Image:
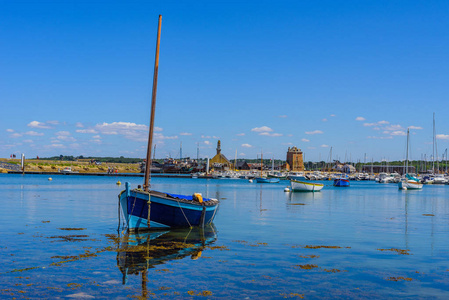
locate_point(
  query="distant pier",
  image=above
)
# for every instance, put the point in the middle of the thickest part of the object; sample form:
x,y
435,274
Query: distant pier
x,y
164,175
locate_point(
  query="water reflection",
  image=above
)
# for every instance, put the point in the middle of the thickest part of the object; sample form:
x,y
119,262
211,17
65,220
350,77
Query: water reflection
x,y
302,197
138,252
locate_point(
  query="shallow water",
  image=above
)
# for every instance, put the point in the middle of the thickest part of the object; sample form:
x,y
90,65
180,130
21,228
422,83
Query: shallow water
x,y
59,238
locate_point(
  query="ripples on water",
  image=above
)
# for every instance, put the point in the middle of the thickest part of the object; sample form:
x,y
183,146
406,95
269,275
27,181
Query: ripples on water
x,y
59,239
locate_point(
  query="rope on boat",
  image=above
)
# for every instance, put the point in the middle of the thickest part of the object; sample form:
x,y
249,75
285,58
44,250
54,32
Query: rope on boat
x,y
149,210
213,215
184,214
132,210
118,228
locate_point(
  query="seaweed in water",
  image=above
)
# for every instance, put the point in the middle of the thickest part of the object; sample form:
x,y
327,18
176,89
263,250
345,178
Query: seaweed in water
x,y
398,251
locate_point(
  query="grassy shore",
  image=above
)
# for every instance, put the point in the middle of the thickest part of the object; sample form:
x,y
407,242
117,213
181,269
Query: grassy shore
x,y
80,166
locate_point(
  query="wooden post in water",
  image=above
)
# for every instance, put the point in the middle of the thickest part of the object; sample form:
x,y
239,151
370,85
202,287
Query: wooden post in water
x,y
146,183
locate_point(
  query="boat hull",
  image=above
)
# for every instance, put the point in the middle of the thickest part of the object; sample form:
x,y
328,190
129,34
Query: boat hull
x,y
410,185
165,212
267,180
341,182
301,186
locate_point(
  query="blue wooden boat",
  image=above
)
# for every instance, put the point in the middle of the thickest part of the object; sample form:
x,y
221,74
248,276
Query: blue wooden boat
x,y
341,182
148,209
165,210
267,180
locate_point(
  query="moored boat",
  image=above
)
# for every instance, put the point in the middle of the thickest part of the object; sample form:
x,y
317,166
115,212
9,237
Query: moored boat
x,y
341,182
301,186
267,180
165,210
145,209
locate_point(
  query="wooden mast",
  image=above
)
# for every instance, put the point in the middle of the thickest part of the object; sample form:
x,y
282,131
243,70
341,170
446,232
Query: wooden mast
x,y
146,183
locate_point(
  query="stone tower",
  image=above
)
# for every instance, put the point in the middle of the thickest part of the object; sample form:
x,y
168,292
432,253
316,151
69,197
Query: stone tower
x,y
295,159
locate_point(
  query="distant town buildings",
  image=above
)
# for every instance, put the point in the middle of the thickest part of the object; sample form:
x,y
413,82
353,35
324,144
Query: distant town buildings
x,y
295,161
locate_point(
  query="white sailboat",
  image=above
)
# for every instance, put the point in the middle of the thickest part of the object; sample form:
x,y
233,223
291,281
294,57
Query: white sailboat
x,y
409,182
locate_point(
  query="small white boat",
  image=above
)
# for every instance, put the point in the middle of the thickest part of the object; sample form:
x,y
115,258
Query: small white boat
x,y
67,170
409,184
301,186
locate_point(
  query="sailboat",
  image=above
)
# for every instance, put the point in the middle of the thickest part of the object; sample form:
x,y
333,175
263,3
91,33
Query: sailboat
x,y
409,182
145,209
262,178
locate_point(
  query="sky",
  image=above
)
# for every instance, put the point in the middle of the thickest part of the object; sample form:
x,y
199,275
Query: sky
x,y
261,76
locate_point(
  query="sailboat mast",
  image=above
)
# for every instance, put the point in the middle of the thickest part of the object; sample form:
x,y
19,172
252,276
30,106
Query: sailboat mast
x,y
146,183
406,156
433,146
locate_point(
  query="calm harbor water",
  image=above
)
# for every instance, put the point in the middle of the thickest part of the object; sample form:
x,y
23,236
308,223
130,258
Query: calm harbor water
x,y
60,239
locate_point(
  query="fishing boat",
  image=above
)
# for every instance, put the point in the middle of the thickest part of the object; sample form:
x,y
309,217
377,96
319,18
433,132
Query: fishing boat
x,y
262,178
409,182
267,180
301,186
341,182
145,208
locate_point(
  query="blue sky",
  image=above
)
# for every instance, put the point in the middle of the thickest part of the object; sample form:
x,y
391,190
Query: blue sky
x,y
76,78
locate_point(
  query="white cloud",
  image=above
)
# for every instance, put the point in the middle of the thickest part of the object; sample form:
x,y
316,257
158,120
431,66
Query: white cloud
x,y
157,129
393,127
131,131
65,133
16,135
96,137
246,145
442,136
415,127
314,132
262,129
240,134
360,119
36,124
53,122
324,120
287,144
9,130
332,115
160,136
324,146
369,124
383,122
207,143
305,140
270,134
283,116
79,125
27,141
205,137
185,133
86,131
398,132
34,133
57,146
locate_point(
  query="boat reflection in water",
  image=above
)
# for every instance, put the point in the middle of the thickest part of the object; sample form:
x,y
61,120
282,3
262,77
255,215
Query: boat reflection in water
x,y
141,251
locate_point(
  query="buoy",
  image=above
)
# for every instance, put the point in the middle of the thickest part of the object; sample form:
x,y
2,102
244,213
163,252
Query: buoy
x,y
50,179
119,183
287,190
250,180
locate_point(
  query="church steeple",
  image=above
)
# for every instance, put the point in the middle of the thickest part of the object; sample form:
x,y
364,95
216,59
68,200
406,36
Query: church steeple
x,y
218,147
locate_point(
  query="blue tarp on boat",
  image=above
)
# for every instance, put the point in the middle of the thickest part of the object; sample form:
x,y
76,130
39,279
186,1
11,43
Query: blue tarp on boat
x,y
185,197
